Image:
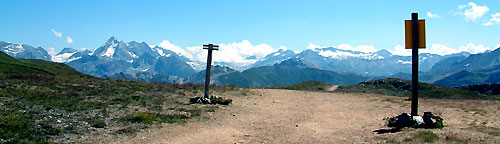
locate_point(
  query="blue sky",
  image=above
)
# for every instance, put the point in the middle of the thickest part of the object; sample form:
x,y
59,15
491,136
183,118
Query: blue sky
x,y
296,25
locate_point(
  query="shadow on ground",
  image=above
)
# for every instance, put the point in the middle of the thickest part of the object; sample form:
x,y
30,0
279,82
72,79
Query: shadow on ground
x,y
383,131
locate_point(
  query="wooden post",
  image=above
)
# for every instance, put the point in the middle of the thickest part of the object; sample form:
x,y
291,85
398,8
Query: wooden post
x,y
414,68
210,47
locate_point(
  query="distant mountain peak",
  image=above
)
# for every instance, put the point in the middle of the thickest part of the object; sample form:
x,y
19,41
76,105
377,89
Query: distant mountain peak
x,y
296,62
384,53
67,50
112,40
24,51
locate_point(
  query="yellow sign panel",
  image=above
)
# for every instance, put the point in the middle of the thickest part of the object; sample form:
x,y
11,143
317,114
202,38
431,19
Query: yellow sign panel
x,y
421,34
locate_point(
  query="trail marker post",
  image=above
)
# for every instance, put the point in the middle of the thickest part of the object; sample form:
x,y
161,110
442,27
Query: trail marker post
x,y
414,39
210,47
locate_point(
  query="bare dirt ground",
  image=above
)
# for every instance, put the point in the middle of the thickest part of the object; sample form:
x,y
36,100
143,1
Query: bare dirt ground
x,y
287,116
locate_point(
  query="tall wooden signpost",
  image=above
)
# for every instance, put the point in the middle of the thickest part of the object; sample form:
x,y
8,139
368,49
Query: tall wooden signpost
x,y
414,39
210,47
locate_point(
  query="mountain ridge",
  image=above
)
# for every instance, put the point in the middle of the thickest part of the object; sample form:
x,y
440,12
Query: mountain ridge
x,y
137,60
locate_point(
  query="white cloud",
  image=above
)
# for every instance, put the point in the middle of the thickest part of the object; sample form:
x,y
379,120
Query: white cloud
x,y
51,51
498,46
488,23
400,50
69,40
283,48
359,48
165,44
474,11
235,52
441,49
474,49
495,19
313,46
57,34
431,15
462,6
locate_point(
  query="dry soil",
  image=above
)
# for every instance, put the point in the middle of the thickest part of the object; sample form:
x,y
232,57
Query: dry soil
x,y
287,116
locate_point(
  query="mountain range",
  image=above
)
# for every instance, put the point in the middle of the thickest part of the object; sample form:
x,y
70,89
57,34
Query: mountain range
x,y
143,62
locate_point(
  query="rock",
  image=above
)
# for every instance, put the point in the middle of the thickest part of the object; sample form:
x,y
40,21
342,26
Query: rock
x,y
195,100
206,101
432,121
419,120
401,121
405,120
428,119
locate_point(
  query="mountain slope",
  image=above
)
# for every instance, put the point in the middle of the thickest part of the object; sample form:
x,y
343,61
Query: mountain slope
x,y
24,51
401,87
117,59
9,64
274,58
287,72
64,55
172,65
472,62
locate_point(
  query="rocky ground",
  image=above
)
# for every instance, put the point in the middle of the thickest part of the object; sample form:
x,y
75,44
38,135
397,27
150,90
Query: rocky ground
x,y
288,116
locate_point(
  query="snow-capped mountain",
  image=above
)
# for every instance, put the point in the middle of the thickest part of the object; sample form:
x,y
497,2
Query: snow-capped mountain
x,y
116,57
140,61
24,51
380,63
64,55
275,57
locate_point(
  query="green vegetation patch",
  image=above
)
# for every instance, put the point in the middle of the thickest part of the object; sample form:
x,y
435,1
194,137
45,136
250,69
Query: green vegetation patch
x,y
97,123
221,101
39,108
427,137
9,64
17,128
150,118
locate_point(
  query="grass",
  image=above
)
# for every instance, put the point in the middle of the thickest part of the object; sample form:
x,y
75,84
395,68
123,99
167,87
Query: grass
x,y
9,64
97,123
221,101
426,137
151,118
492,131
39,108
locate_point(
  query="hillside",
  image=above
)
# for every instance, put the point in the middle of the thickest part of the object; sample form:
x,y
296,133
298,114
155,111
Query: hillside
x,y
304,86
401,87
9,64
287,72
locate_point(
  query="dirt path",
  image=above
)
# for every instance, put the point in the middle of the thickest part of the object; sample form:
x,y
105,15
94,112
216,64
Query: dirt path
x,y
332,88
285,116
